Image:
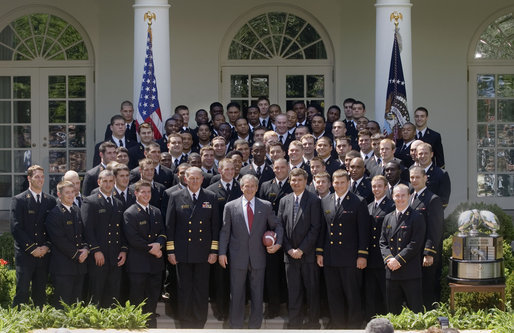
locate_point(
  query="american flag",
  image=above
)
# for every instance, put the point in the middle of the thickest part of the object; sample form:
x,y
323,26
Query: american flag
x,y
396,113
148,107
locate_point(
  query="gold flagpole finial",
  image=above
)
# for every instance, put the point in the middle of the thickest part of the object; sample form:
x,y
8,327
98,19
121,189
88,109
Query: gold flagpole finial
x,y
149,16
396,16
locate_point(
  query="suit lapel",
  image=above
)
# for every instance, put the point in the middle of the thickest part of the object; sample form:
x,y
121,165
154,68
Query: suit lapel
x,y
302,205
401,221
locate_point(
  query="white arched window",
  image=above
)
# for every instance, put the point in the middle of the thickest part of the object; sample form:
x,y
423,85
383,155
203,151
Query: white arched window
x,y
46,97
282,53
491,120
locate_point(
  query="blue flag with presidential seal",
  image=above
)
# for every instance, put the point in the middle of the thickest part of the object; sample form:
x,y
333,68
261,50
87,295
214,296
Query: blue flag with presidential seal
x,y
148,107
396,113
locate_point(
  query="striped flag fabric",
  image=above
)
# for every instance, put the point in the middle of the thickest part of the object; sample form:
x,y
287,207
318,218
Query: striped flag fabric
x,y
148,107
396,113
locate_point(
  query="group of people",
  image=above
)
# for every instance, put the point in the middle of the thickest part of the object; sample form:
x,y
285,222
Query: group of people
x,y
358,217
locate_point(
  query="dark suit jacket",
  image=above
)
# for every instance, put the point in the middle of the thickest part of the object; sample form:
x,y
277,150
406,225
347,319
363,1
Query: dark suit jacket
x,y
90,181
377,215
332,165
271,192
434,139
103,227
136,153
28,226
344,233
157,193
438,181
141,229
245,247
404,241
266,174
165,176
130,134
193,230
364,190
430,205
66,232
224,197
96,157
302,232
403,153
129,200
166,197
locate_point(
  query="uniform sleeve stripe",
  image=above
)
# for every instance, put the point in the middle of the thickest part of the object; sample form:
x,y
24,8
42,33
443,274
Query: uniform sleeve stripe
x,y
29,247
319,249
405,261
430,250
362,252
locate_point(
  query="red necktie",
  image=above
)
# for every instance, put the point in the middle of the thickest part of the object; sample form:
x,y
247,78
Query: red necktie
x,y
249,212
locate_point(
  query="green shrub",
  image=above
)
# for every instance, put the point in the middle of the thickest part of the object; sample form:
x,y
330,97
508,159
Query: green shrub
x,y
74,316
7,285
7,248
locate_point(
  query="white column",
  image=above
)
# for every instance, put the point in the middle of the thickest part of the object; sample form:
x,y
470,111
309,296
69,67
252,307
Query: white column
x,y
160,48
384,46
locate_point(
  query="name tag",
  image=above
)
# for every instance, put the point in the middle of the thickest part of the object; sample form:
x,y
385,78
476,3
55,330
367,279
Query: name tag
x,y
206,204
327,212
142,222
69,222
388,227
31,212
272,194
347,211
184,206
221,199
100,211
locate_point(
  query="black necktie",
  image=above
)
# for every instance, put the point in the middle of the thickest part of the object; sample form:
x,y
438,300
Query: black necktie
x,y
147,210
209,171
259,173
281,139
121,143
109,200
176,162
128,127
338,204
400,216
194,199
79,201
280,184
38,198
376,205
420,135
228,187
264,123
122,195
354,187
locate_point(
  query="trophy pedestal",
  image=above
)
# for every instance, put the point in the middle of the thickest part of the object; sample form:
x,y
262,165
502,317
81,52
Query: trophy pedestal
x,y
475,272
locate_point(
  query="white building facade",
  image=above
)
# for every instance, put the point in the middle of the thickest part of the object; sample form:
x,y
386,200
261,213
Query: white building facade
x,y
66,65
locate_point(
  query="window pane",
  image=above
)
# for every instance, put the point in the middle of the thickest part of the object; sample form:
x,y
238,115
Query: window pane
x,y
308,36
505,110
22,112
316,51
56,111
22,136
505,85
77,111
506,135
505,160
260,25
294,86
77,86
5,186
57,86
78,160
485,85
260,85
22,160
5,87
486,135
77,52
239,85
315,86
5,136
20,183
5,112
505,185
485,160
57,136
53,180
77,136
21,87
485,183
485,110
5,161
57,161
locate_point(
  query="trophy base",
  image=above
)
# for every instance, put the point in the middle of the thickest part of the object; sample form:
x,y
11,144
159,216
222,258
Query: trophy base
x,y
477,272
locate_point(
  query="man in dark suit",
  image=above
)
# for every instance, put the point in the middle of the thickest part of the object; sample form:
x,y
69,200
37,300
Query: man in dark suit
x,y
127,112
226,190
360,185
121,190
176,150
402,152
258,167
102,215
430,205
374,273
144,230
342,251
31,245
324,148
318,125
273,191
107,153
300,215
393,172
69,247
401,243
192,225
282,131
162,174
429,135
244,222
137,152
438,180
147,169
295,153
118,128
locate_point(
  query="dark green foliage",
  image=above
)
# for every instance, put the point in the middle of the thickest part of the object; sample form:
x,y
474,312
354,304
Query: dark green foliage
x,y
7,248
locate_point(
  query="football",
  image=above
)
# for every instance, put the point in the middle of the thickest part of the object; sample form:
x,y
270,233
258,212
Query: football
x,y
269,238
